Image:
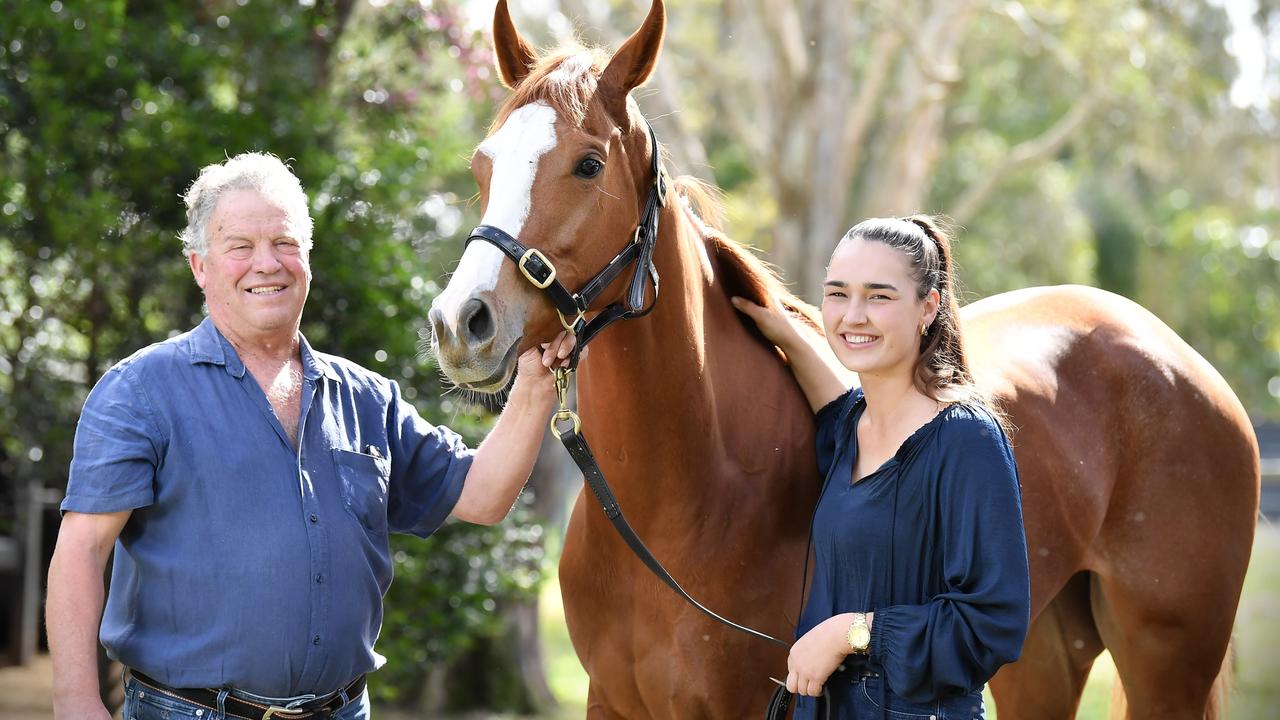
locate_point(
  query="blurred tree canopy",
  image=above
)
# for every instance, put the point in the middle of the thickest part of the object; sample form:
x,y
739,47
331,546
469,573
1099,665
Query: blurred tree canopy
x,y
1092,142
1076,142
107,112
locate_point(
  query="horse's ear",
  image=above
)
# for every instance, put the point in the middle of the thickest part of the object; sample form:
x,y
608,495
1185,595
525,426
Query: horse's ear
x,y
514,56
635,60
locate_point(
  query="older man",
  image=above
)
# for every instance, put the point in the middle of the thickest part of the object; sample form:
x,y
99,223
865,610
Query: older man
x,y
248,484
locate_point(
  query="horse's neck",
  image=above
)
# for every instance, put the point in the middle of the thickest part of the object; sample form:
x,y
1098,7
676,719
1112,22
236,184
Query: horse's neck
x,y
655,395
637,368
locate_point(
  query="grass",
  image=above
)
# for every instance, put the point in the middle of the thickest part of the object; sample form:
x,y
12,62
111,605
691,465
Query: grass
x,y
1257,646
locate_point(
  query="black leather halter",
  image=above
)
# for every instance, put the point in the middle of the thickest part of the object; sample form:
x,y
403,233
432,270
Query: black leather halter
x,y
572,307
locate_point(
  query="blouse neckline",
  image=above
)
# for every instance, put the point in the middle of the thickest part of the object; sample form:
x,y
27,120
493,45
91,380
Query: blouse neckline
x,y
913,440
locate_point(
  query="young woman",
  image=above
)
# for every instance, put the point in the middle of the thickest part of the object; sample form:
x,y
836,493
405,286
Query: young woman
x,y
920,590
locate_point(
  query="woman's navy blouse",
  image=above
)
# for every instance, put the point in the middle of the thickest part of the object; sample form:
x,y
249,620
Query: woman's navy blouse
x,y
932,542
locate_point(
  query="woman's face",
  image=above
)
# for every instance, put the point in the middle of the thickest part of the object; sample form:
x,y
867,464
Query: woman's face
x,y
871,311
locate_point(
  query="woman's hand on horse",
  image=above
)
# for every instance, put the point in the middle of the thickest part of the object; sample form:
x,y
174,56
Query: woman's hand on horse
x,y
774,321
556,352
817,654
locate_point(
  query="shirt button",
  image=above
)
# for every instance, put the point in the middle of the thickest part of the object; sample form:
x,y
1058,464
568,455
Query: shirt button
x,y
315,640
314,518
319,578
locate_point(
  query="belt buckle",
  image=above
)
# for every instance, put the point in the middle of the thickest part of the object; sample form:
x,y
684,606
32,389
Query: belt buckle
x,y
283,712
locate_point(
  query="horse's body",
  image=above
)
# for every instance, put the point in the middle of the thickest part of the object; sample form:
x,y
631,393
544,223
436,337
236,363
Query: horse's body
x,y
1138,465
1140,481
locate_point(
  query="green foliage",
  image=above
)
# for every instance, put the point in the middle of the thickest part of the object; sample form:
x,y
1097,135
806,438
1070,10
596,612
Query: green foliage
x,y
438,607
107,112
1166,195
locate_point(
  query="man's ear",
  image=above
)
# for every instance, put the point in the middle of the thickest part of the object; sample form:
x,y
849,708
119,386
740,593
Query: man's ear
x,y
197,268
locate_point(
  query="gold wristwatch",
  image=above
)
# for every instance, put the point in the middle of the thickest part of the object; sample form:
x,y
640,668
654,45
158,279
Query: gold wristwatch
x,y
859,634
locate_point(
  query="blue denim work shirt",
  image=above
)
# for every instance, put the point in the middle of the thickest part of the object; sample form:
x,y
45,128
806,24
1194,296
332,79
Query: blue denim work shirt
x,y
247,563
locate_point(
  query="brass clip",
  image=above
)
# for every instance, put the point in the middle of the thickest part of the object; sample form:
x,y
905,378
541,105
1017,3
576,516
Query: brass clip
x,y
562,394
570,326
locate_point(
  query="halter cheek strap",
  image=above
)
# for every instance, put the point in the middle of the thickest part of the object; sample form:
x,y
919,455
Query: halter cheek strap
x,y
538,269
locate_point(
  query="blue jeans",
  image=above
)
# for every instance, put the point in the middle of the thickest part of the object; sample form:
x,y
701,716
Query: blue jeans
x,y
867,701
141,703
858,698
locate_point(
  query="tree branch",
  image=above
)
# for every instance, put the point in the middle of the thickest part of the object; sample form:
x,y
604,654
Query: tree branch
x,y
1023,154
858,123
1017,13
944,72
781,26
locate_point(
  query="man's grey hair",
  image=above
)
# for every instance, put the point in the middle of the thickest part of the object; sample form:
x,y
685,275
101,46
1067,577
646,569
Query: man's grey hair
x,y
262,172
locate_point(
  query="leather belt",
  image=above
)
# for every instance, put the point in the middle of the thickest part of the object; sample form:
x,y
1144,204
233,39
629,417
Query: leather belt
x,y
249,710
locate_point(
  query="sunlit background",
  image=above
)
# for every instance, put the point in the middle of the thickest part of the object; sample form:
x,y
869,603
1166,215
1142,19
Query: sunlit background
x,y
1126,144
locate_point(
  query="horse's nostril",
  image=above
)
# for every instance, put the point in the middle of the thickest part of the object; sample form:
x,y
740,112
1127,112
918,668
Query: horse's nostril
x,y
478,321
438,326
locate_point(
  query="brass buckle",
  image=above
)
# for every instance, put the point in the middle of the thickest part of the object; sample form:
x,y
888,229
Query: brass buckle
x,y
284,712
534,252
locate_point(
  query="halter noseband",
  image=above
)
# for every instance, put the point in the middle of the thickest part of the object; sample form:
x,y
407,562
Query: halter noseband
x,y
572,307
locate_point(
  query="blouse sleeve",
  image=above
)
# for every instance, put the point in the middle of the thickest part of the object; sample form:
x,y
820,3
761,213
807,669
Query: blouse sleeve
x,y
830,419
979,621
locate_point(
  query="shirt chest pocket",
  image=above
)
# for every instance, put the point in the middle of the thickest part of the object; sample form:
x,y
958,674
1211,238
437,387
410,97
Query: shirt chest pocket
x,y
364,480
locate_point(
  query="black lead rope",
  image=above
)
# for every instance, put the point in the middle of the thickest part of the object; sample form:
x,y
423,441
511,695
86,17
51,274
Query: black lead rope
x,y
576,444
572,308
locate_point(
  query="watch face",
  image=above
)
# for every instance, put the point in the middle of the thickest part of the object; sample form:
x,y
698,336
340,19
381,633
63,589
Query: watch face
x,y
859,637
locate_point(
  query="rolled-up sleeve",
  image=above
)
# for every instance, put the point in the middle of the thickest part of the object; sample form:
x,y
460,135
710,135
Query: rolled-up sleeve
x,y
429,465
979,621
118,446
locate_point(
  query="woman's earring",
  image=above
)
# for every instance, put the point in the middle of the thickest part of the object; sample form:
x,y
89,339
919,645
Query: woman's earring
x,y
924,330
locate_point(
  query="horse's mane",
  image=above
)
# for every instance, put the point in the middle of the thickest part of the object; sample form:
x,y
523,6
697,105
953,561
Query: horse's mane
x,y
738,270
565,78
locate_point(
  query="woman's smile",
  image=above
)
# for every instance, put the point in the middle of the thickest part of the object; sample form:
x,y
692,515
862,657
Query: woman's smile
x,y
858,341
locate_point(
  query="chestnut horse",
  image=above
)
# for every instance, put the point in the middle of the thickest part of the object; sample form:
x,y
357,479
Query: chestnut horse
x,y
1140,471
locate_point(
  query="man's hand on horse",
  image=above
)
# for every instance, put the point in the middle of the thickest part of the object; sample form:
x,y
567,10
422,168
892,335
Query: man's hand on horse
x,y
556,352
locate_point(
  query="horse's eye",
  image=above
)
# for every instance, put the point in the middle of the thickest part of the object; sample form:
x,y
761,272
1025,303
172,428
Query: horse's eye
x,y
588,168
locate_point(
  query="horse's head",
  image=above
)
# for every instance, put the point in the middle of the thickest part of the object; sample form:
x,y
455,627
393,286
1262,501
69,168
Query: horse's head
x,y
565,170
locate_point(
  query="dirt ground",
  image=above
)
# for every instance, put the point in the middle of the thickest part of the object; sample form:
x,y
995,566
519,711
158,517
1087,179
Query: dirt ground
x,y
26,692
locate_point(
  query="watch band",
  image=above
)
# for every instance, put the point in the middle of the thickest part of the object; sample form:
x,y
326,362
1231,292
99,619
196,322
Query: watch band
x,y
859,635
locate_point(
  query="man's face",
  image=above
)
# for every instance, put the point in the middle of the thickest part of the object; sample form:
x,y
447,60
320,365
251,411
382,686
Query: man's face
x,y
256,274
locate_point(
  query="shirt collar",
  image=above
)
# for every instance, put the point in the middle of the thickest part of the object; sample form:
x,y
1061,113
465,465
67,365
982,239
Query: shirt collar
x,y
313,366
208,345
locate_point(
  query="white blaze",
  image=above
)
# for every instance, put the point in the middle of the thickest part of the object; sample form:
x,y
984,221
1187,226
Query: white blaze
x,y
514,150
